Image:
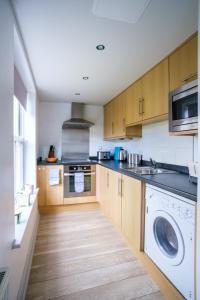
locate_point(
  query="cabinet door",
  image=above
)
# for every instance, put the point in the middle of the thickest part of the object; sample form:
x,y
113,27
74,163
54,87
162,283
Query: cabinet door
x,y
183,64
155,90
101,184
41,183
115,198
131,210
133,103
108,120
119,104
54,193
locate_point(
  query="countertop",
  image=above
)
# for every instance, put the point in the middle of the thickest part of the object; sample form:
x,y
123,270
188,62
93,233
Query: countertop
x,y
177,183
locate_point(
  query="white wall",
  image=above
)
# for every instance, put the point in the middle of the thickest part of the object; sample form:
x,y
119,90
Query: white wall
x,y
18,260
155,142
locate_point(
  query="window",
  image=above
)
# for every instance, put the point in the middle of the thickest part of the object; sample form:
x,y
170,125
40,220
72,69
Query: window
x,y
19,145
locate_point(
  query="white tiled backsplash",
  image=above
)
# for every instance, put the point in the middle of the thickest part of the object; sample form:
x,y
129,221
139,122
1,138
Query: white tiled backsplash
x,y
159,145
155,142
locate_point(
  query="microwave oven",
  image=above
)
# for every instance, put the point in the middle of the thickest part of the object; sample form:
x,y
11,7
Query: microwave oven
x,y
183,108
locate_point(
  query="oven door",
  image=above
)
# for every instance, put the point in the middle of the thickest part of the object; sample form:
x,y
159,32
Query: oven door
x,y
184,108
79,183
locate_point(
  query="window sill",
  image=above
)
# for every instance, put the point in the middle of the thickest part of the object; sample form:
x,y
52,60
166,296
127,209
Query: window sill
x,y
20,228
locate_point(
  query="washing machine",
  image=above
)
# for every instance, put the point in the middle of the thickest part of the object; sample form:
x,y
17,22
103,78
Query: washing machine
x,y
170,237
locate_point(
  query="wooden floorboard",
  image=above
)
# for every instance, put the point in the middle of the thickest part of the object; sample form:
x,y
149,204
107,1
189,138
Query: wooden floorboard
x,y
79,255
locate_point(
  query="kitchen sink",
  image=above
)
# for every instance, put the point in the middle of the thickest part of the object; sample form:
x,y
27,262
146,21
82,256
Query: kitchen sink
x,y
143,170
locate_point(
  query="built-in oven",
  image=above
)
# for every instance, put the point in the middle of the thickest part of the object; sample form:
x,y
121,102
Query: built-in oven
x,y
183,108
79,180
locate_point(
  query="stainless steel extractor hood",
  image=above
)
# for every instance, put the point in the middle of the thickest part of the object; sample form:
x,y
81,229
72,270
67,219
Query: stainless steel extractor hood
x,y
77,121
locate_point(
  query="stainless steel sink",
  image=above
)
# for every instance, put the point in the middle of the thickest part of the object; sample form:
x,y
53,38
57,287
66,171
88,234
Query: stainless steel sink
x,y
143,170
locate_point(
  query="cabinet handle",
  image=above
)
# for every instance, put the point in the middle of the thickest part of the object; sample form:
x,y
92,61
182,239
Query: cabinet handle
x,y
119,188
142,105
112,127
122,187
187,78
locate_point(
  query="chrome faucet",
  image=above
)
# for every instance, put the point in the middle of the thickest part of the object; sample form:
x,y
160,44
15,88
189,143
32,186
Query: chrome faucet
x,y
153,163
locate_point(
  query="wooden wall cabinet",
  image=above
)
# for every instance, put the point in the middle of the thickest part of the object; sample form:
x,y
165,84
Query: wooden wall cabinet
x,y
155,90
134,103
183,64
49,194
108,120
115,120
147,98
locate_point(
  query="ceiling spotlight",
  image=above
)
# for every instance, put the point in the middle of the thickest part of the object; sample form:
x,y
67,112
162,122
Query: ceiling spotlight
x,y
85,78
77,94
100,47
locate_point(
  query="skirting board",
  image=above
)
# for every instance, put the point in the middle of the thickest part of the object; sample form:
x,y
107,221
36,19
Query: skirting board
x,y
76,200
61,208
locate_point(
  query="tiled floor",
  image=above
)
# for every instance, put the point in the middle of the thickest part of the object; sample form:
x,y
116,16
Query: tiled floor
x,y
80,256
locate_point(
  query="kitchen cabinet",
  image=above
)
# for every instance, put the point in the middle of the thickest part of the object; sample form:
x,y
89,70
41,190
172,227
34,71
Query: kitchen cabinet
x,y
54,193
183,63
115,120
121,199
132,211
115,198
147,98
109,193
108,120
41,182
134,103
119,129
49,194
155,90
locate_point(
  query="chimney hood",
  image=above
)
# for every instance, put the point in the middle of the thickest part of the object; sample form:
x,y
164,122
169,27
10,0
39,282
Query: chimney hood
x,y
77,121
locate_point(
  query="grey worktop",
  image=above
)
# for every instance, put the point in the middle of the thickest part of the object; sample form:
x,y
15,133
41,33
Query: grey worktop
x,y
177,183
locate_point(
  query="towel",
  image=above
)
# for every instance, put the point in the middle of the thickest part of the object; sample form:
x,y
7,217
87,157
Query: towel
x,y
54,176
79,182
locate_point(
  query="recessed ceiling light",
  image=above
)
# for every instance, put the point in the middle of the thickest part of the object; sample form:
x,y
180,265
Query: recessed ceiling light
x,y
85,78
77,94
100,47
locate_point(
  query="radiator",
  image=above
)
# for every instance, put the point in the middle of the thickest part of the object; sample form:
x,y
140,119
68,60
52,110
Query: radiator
x,y
3,284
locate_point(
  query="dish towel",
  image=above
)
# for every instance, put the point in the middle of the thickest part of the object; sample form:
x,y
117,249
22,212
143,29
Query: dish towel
x,y
54,176
79,182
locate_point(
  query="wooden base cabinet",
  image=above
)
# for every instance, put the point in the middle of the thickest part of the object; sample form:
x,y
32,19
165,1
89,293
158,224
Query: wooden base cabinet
x,y
132,211
41,183
121,199
109,193
49,194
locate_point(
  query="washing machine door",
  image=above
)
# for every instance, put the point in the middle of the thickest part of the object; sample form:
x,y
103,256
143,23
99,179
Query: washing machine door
x,y
168,237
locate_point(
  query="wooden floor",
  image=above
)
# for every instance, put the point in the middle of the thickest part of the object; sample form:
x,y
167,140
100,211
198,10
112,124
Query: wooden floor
x,y
80,256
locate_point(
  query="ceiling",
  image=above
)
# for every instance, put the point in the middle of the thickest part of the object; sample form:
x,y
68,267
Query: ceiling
x,y
61,37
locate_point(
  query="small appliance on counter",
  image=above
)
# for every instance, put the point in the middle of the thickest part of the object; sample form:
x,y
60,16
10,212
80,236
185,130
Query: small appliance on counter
x,y
103,155
134,159
120,154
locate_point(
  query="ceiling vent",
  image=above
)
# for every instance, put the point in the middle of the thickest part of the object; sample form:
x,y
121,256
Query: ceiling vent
x,y
129,11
